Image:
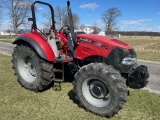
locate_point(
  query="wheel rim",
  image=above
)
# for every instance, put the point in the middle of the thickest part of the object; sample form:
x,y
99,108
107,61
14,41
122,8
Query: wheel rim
x,y
27,69
96,92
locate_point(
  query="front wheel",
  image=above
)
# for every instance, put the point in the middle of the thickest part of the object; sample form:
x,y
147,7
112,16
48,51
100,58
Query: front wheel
x,y
100,89
32,72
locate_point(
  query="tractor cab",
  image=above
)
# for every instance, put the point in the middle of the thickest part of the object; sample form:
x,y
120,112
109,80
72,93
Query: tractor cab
x,y
62,42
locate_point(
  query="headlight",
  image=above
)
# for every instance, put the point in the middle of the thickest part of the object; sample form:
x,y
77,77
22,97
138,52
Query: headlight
x,y
129,61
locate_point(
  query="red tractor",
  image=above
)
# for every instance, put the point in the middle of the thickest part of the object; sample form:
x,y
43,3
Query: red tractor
x,y
102,67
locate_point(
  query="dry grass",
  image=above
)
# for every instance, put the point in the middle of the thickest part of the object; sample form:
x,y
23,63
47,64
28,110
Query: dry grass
x,y
7,38
140,41
153,46
17,103
148,55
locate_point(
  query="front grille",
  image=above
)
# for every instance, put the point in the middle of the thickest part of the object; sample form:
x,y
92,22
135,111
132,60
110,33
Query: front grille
x,y
117,55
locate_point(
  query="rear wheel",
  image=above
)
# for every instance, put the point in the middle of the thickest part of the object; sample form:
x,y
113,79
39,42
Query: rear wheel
x,y
100,89
32,72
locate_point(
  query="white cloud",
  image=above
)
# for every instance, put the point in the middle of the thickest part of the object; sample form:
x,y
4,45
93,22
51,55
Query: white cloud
x,y
157,29
129,22
144,20
99,21
134,22
89,15
88,24
139,24
91,6
145,29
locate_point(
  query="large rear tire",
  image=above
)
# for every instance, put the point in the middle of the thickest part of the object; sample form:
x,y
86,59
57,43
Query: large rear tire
x,y
100,89
32,72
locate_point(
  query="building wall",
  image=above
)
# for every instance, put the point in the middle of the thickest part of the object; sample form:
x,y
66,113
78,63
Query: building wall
x,y
5,33
102,33
88,30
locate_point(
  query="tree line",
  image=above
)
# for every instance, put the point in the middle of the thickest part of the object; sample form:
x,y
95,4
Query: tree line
x,y
136,33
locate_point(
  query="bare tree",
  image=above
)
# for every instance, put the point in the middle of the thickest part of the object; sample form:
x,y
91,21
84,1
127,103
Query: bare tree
x,y
96,29
60,14
109,17
10,31
48,18
82,26
76,20
18,11
1,14
61,18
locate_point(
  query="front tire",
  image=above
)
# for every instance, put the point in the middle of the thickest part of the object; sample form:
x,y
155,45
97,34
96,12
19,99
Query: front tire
x,y
100,89
32,72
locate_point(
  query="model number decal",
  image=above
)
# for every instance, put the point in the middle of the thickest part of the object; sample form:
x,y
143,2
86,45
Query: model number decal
x,y
105,47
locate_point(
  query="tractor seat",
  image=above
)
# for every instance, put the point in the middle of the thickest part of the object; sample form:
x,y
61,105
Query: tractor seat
x,y
49,33
52,40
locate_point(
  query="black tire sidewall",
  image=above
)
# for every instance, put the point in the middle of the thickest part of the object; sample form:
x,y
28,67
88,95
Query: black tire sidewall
x,y
112,79
25,51
112,91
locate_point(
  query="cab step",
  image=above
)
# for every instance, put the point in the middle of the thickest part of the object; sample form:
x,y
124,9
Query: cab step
x,y
58,80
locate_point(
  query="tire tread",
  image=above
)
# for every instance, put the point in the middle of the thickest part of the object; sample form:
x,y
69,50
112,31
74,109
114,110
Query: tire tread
x,y
45,68
105,70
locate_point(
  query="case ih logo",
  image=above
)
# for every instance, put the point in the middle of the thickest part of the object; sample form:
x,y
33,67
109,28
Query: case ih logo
x,y
95,43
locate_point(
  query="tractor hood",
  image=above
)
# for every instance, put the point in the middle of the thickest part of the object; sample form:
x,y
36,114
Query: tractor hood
x,y
112,42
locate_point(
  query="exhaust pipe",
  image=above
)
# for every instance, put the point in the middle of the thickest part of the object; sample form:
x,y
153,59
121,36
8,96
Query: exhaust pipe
x,y
71,24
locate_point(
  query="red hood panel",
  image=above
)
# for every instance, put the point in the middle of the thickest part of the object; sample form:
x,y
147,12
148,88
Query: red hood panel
x,y
105,40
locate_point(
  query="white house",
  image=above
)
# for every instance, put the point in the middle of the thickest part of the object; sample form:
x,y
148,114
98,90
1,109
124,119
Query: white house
x,y
117,35
6,33
102,33
88,30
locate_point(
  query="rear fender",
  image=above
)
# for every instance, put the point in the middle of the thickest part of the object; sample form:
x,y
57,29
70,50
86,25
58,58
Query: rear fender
x,y
39,44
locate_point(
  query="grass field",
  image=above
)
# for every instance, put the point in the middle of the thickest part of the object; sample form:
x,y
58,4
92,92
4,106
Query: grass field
x,y
7,38
143,42
17,103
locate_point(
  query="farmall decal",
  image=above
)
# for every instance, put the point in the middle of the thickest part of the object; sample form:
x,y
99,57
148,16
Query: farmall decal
x,y
95,43
85,40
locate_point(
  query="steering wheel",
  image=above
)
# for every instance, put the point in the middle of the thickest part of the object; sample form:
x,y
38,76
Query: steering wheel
x,y
65,29
61,29
63,33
